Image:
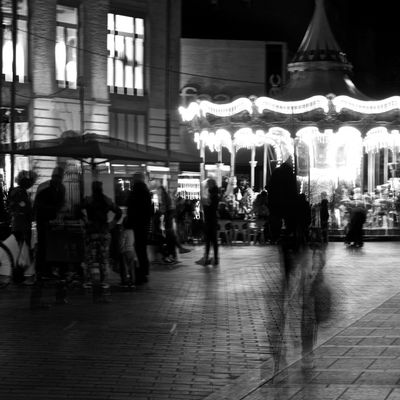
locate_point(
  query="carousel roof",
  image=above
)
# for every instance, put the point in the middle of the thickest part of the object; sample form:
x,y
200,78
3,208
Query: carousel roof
x,y
319,66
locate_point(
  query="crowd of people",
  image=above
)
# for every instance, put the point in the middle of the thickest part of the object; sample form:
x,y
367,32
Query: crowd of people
x,y
112,241
153,218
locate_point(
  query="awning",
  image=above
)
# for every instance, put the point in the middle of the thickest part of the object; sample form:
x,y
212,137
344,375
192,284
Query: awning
x,y
95,149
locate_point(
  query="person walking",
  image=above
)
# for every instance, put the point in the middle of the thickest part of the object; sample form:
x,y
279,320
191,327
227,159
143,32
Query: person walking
x,y
210,207
95,214
139,213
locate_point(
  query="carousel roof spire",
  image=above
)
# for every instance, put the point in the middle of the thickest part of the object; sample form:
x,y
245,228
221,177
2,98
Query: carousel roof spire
x,y
319,66
319,42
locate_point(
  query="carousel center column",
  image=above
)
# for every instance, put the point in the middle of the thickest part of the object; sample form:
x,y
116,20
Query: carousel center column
x,y
371,171
253,165
265,165
202,164
233,155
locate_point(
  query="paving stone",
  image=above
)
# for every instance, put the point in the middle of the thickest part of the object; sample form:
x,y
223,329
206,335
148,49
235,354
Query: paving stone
x,y
365,393
196,333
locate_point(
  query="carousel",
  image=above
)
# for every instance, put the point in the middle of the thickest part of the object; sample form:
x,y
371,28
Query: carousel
x,y
341,143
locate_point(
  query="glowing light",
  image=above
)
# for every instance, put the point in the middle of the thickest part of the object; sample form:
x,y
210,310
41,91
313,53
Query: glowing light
x,y
292,107
366,107
190,112
244,138
226,110
339,158
379,138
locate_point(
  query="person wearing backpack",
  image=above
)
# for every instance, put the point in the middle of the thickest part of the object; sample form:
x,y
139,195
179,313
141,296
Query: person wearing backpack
x,y
95,211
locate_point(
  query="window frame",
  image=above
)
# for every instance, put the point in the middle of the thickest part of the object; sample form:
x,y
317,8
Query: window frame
x,y
71,4
24,32
123,90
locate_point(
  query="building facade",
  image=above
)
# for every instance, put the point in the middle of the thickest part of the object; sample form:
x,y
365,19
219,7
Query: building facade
x,y
98,66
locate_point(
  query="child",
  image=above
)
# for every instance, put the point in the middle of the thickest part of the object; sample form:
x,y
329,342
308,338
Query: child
x,y
128,255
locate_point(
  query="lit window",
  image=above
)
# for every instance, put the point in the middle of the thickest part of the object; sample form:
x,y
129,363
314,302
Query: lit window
x,y
22,41
125,45
66,49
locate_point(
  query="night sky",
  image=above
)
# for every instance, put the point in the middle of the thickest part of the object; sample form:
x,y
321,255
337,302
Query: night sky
x,y
368,31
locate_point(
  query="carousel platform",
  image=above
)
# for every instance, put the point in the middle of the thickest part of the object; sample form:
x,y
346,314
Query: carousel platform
x,y
370,234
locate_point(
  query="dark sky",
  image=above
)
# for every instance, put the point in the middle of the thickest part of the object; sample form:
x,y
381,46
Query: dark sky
x,y
368,31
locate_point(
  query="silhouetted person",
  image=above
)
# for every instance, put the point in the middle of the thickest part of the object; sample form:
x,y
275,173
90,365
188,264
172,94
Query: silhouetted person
x,y
324,215
210,207
355,235
140,211
303,219
96,209
20,207
49,201
282,195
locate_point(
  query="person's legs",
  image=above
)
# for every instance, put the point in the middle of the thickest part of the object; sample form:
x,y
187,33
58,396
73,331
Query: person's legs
x,y
41,269
207,237
123,271
141,253
214,239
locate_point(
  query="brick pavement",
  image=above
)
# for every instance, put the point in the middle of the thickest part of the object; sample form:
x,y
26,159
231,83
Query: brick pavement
x,y
196,332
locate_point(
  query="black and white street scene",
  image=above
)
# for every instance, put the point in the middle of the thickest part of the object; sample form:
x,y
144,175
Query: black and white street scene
x,y
199,200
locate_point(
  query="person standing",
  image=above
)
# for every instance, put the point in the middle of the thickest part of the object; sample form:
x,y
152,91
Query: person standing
x,y
139,213
95,209
4,216
20,207
210,207
128,256
20,210
49,201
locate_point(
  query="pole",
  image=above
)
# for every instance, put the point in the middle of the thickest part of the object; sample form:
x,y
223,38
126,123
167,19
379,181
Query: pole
x,y
82,104
82,130
265,165
167,81
309,175
12,94
1,68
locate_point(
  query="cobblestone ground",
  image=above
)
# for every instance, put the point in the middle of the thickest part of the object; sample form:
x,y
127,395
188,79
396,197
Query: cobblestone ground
x,y
197,332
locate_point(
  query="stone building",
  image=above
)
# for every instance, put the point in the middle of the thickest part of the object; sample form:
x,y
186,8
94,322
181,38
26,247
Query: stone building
x,y
100,66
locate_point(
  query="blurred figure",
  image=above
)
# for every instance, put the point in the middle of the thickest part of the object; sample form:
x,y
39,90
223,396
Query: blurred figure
x,y
324,215
303,219
95,210
282,193
210,203
140,211
355,233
